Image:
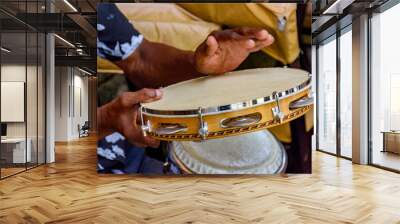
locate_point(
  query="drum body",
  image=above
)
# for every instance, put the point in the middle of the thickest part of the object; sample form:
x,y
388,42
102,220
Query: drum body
x,y
253,153
227,105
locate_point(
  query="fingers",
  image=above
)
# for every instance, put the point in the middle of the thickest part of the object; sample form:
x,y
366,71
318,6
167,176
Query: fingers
x,y
261,44
144,141
248,38
212,45
148,95
128,116
134,133
260,37
154,143
247,43
255,33
147,142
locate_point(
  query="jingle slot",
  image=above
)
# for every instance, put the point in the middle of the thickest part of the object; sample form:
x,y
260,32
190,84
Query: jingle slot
x,y
302,102
241,121
170,128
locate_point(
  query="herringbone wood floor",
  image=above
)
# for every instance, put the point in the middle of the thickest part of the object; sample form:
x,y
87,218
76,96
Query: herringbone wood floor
x,y
70,191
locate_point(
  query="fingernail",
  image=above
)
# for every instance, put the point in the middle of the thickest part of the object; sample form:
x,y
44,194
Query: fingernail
x,y
158,92
209,40
264,33
251,43
270,36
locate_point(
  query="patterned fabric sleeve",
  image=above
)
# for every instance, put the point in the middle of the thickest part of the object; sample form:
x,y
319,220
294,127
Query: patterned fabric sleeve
x,y
116,37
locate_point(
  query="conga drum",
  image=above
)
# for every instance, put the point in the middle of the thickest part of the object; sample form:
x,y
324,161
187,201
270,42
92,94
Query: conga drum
x,y
252,153
206,113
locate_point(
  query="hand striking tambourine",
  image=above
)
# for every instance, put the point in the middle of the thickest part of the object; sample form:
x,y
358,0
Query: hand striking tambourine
x,y
231,104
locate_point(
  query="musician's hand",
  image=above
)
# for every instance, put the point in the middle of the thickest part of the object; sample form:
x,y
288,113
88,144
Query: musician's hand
x,y
225,50
122,115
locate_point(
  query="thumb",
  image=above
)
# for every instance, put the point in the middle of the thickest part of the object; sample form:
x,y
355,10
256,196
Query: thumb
x,y
148,95
212,45
142,96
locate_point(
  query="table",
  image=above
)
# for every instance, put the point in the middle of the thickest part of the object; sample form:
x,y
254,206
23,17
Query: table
x,y
391,141
15,148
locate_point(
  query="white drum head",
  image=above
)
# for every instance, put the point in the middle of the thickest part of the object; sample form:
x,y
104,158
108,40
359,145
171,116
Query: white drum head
x,y
253,153
232,87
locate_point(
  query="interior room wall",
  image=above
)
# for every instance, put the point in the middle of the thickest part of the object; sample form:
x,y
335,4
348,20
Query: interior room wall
x,y
61,103
81,81
16,72
71,102
92,98
31,127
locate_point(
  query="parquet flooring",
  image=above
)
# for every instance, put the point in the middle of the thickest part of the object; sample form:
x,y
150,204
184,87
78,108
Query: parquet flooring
x,y
70,191
10,171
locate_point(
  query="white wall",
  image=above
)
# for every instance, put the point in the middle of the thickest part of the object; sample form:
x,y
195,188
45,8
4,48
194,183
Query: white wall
x,y
50,93
80,102
13,73
71,93
360,90
33,127
61,103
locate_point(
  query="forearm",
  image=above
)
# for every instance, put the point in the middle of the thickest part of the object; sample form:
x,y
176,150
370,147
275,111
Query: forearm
x,y
156,65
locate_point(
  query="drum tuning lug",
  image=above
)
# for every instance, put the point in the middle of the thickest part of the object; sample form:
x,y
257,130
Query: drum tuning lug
x,y
276,111
145,126
278,115
203,130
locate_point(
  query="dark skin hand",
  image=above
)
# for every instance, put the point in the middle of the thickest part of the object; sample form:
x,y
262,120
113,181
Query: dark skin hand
x,y
122,115
155,65
224,51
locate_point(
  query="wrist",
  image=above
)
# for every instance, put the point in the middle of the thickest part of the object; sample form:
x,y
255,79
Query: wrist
x,y
191,58
105,116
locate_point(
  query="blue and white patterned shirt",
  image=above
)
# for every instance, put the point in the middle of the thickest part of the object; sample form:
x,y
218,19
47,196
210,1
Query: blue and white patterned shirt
x,y
117,39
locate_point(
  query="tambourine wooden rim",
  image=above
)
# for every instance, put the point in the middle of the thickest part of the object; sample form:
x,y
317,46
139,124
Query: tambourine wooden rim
x,y
210,122
229,107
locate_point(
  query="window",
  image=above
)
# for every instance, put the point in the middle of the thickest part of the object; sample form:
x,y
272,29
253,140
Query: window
x,y
385,89
327,97
22,77
346,94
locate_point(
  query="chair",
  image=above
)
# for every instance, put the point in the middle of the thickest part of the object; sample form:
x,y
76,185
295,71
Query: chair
x,y
84,130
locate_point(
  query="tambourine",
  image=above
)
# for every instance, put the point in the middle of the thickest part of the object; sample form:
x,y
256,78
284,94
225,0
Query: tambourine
x,y
226,105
